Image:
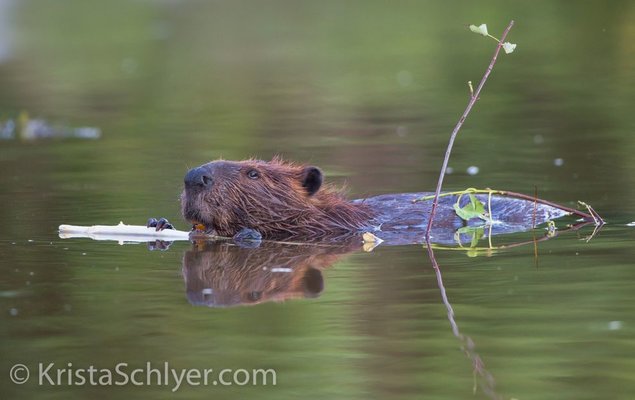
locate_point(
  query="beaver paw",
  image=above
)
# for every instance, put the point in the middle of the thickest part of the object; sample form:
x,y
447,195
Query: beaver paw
x,y
248,238
160,224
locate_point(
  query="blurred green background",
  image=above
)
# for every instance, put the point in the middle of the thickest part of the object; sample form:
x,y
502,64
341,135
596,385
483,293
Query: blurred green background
x,y
369,91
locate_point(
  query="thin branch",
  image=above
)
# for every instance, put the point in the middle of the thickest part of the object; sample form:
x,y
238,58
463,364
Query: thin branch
x,y
470,104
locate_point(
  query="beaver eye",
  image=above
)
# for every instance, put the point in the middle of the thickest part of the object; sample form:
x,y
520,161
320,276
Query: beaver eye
x,y
253,174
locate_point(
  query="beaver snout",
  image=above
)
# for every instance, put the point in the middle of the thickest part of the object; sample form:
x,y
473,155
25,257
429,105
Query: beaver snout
x,y
198,177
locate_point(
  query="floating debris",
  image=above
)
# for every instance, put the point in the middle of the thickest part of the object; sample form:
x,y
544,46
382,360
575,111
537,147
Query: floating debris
x,y
10,293
370,241
370,238
27,128
558,162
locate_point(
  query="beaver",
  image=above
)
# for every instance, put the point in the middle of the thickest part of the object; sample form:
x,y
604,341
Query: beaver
x,y
279,200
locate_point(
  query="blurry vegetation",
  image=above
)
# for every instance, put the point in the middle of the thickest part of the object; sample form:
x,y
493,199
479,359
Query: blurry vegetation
x,y
238,79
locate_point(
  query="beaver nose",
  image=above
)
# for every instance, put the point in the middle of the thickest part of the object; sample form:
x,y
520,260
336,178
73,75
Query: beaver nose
x,y
198,177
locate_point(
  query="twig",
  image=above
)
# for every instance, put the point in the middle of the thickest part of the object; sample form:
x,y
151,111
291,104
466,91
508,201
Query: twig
x,y
470,104
140,233
570,228
596,217
571,211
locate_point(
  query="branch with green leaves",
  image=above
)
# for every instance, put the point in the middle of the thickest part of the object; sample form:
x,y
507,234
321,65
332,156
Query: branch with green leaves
x,y
474,96
482,30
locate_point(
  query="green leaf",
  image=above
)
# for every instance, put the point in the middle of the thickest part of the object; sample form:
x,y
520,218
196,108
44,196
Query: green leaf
x,y
473,209
481,29
509,47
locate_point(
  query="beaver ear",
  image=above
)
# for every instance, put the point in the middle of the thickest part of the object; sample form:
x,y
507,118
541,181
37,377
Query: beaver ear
x,y
311,180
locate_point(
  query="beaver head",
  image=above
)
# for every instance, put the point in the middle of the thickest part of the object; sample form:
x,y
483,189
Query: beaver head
x,y
276,198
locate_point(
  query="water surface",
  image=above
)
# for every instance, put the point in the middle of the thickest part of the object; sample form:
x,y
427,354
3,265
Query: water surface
x,y
368,91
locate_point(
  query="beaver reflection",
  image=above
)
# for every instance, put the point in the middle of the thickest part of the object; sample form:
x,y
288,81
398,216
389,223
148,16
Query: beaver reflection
x,y
221,274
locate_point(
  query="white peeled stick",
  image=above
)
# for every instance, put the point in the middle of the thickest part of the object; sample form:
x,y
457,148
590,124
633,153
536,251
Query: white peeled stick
x,y
121,233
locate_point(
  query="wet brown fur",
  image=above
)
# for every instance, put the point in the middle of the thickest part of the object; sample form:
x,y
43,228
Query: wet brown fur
x,y
275,204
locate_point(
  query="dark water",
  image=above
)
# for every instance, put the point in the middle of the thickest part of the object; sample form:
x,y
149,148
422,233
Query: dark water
x,y
369,91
